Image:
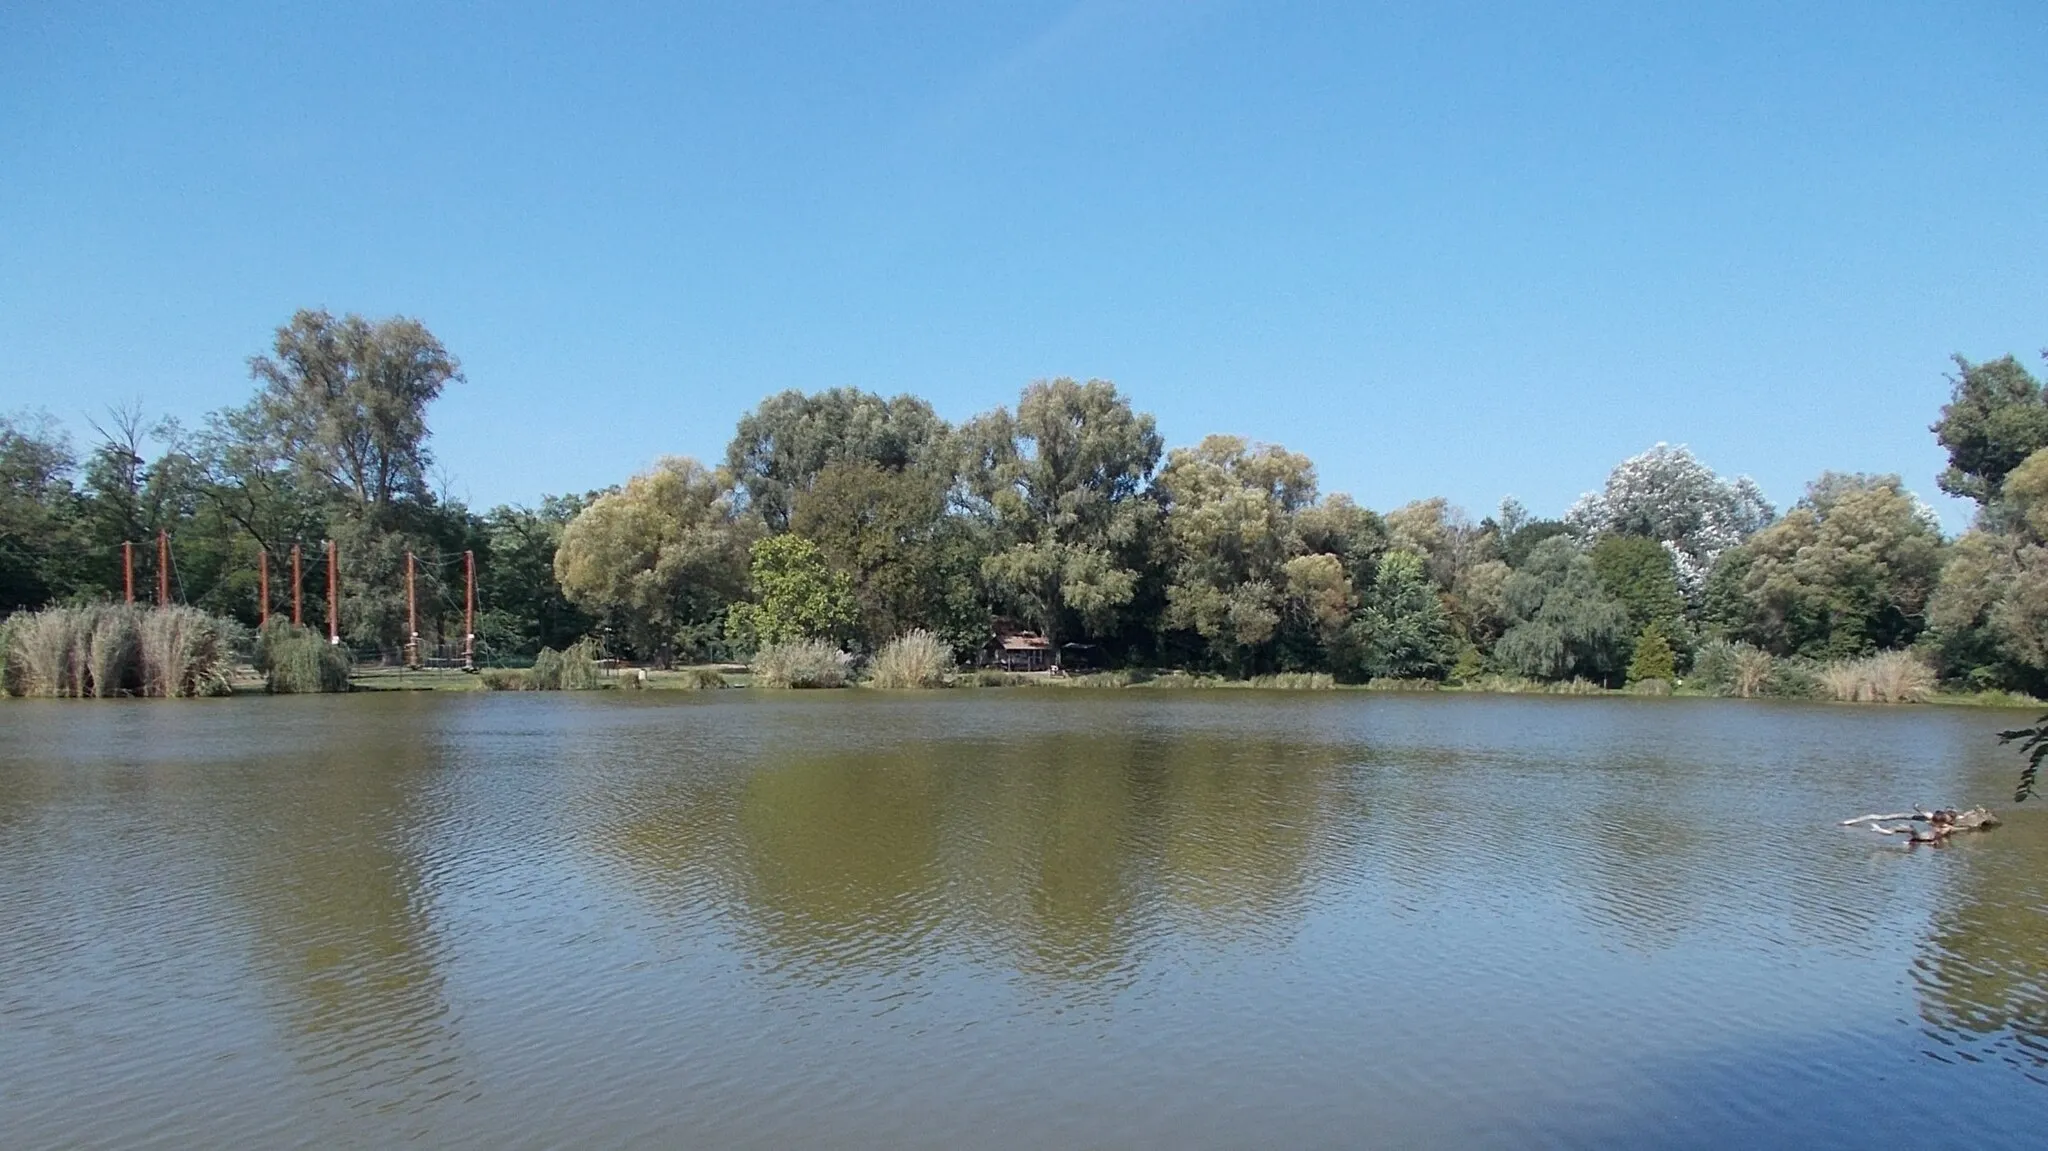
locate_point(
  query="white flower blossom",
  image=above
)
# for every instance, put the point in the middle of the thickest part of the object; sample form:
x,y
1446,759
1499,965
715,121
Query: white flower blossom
x,y
1667,494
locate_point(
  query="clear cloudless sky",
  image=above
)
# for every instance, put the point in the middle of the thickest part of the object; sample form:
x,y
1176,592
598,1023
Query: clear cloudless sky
x,y
1451,248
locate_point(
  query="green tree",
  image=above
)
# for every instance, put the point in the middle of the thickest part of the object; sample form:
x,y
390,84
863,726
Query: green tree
x,y
1988,618
795,596
783,446
347,401
1847,571
912,564
1061,482
1403,631
1995,418
522,607
659,559
1566,624
1653,658
1642,576
1229,521
38,512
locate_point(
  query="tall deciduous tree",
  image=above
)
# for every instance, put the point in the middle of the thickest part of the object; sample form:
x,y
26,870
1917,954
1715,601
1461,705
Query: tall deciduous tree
x,y
1848,570
1565,623
1666,494
659,559
783,445
795,596
1995,418
347,400
912,564
1230,510
1061,480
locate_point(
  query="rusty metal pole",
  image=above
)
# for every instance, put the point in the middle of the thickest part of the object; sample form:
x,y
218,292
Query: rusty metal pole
x,y
128,569
263,589
412,614
298,591
333,599
469,611
163,567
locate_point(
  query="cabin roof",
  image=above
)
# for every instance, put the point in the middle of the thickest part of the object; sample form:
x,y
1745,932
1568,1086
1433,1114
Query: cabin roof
x,y
1023,641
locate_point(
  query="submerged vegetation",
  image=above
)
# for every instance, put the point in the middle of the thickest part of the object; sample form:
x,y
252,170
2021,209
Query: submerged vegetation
x,y
845,530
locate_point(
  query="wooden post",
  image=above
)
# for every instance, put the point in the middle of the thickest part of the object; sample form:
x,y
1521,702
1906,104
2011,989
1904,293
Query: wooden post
x,y
163,567
128,569
412,615
262,588
298,591
469,611
333,598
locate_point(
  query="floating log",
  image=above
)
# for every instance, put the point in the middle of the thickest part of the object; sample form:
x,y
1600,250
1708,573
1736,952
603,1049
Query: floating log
x,y
1941,823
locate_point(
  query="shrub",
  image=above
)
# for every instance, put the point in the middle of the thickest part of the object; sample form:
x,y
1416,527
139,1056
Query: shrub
x,y
1299,681
990,678
916,659
701,679
1650,687
503,679
1390,683
1889,677
574,669
300,661
800,663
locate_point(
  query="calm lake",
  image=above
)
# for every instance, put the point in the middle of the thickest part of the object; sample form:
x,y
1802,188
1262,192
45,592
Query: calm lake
x,y
1011,919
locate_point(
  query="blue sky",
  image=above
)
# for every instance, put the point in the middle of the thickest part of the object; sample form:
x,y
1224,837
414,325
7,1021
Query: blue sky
x,y
1450,248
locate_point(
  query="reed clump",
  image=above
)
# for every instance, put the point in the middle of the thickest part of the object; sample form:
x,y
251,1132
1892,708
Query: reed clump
x,y
1396,683
799,664
1889,677
915,659
103,650
299,661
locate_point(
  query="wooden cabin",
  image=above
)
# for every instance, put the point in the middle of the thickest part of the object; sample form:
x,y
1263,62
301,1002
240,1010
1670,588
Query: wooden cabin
x,y
1016,650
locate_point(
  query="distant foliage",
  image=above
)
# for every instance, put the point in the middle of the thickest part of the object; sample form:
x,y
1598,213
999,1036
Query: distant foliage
x,y
800,664
1849,570
917,659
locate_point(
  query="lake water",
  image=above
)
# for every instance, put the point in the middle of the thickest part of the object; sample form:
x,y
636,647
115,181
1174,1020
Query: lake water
x,y
1011,919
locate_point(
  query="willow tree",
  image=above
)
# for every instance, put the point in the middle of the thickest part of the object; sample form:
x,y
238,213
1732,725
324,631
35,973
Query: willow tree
x,y
1061,481
659,559
1230,509
782,446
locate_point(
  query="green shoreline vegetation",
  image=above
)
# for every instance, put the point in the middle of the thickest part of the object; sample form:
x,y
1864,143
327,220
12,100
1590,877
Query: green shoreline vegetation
x,y
851,539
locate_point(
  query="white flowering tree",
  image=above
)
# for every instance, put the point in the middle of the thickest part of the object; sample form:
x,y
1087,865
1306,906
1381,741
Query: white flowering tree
x,y
1667,494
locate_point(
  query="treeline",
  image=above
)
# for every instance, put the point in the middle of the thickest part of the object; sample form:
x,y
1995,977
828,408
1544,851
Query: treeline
x,y
854,518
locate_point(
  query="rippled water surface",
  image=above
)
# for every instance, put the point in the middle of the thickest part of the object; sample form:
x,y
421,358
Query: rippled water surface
x,y
1010,919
